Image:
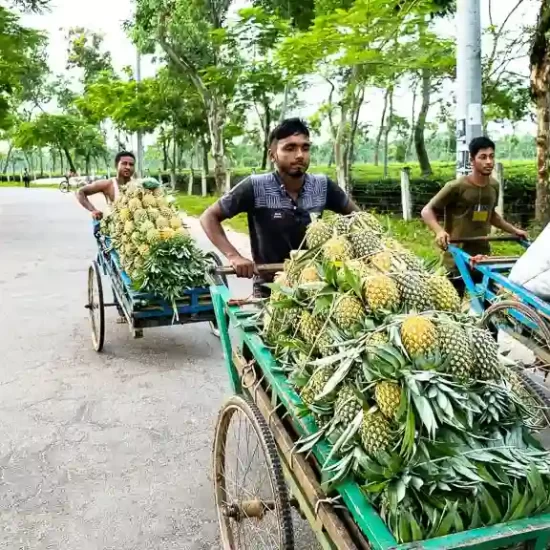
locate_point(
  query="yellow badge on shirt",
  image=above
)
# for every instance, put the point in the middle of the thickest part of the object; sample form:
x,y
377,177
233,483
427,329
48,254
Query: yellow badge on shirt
x,y
480,216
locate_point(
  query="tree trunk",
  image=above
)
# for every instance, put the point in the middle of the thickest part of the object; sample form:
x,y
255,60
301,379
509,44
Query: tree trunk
x,y
339,152
174,158
413,119
284,108
419,143
216,123
204,155
87,164
387,130
62,164
164,153
41,162
381,129
540,81
7,161
266,131
331,158
350,147
69,159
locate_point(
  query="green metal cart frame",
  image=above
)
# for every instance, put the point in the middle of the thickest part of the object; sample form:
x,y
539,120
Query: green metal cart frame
x,y
264,396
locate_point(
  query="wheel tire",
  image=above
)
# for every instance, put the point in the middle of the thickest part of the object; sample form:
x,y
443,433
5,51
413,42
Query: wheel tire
x,y
64,187
218,280
281,500
96,308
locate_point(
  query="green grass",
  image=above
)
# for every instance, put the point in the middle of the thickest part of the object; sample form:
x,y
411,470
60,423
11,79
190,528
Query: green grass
x,y
414,234
33,185
195,206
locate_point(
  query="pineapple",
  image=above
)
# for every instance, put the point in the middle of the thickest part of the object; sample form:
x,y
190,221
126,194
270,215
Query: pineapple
x,y
311,328
292,272
375,433
175,222
315,385
387,262
378,339
337,249
149,201
341,224
309,275
364,243
317,234
380,293
136,238
129,227
347,404
158,192
413,291
144,250
485,351
456,351
322,420
140,216
146,226
348,312
365,220
182,231
153,236
162,202
161,222
166,233
130,250
166,212
153,213
419,336
134,204
358,267
443,294
125,214
388,398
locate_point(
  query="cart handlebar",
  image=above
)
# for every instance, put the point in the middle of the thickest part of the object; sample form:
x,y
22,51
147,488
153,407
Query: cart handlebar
x,y
258,268
496,238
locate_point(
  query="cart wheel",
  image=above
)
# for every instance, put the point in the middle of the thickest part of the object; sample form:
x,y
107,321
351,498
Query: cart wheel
x,y
216,280
64,187
251,495
96,306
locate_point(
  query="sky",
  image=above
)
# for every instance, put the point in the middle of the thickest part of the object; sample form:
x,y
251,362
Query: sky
x,y
108,16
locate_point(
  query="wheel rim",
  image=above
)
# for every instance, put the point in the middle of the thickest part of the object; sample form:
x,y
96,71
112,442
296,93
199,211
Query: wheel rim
x,y
248,508
94,306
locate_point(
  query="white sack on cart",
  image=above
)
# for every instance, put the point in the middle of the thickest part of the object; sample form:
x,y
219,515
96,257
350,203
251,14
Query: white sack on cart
x,y
532,270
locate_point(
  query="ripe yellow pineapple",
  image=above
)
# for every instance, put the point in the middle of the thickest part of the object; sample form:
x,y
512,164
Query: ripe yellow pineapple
x,y
144,250
175,222
182,231
162,202
134,204
166,233
161,222
337,249
140,215
388,398
153,236
166,212
419,336
149,201
129,227
125,214
380,293
348,311
387,261
309,275
375,433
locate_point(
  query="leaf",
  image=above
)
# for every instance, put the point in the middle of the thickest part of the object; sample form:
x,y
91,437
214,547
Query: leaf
x,y
426,413
336,378
405,534
490,507
447,521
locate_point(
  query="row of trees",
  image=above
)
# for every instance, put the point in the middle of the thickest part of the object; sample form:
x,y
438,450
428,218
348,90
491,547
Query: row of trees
x,y
217,68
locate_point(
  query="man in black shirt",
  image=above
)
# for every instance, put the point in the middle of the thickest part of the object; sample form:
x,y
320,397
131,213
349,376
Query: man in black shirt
x,y
279,205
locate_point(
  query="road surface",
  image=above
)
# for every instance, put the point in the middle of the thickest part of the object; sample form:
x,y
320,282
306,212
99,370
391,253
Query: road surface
x,y
103,451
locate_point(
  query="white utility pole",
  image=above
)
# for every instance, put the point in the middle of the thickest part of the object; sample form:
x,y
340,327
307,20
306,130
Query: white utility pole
x,y
468,80
139,155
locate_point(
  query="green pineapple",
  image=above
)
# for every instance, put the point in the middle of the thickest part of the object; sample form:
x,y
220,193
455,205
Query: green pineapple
x,y
316,384
443,294
388,398
376,434
365,243
485,351
317,234
347,404
456,351
348,311
414,291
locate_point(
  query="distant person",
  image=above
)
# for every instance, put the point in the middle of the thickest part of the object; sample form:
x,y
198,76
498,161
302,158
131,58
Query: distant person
x,y
125,167
468,205
279,205
26,178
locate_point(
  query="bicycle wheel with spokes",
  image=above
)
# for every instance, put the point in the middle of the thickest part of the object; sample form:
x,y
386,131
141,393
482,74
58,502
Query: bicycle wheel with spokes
x,y
96,306
251,494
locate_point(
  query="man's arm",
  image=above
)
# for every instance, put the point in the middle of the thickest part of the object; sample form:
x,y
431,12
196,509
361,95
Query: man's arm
x,y
92,189
500,223
240,199
439,202
338,200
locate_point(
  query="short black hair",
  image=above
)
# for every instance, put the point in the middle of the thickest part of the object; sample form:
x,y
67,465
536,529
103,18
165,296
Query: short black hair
x,y
124,154
479,143
289,127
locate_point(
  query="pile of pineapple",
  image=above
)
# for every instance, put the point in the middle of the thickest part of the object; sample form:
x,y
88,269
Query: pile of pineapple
x,y
143,215
413,395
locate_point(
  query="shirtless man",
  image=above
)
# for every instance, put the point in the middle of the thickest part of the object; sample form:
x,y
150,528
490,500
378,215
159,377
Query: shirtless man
x,y
125,167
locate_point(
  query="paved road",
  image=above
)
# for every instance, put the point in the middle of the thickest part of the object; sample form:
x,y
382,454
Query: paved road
x,y
107,451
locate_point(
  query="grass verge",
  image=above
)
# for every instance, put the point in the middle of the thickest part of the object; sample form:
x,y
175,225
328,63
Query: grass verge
x,y
414,234
33,185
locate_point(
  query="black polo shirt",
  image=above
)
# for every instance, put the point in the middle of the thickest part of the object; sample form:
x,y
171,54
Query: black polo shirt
x,y
277,223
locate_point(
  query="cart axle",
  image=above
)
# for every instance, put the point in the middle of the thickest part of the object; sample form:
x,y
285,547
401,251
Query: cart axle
x,y
248,509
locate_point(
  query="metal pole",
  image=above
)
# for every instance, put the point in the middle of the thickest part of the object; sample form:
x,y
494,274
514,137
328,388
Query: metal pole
x,y
468,80
139,155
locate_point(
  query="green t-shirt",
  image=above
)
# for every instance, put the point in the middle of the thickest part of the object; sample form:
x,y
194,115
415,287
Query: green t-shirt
x,y
468,210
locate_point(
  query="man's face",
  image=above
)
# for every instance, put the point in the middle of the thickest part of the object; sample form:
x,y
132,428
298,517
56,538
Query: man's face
x,y
484,162
126,167
291,155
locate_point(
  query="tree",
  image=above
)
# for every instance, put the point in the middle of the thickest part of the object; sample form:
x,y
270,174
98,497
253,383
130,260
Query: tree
x,y
540,84
197,44
84,53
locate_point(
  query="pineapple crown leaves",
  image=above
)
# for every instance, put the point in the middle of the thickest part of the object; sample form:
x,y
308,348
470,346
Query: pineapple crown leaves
x,y
337,378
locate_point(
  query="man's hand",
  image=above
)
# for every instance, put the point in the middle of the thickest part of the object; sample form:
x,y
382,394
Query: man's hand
x,y
243,266
442,240
474,260
97,214
521,234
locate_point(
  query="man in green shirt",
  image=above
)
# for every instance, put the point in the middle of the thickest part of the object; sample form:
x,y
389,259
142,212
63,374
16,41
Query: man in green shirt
x,y
468,205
